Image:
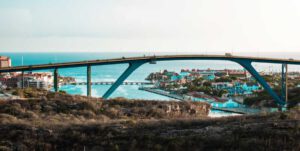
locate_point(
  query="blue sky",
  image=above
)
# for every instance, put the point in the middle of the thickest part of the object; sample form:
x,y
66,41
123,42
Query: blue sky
x,y
150,25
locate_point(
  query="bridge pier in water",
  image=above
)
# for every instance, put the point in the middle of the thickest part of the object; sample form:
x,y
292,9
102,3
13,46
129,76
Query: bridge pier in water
x,y
89,81
55,82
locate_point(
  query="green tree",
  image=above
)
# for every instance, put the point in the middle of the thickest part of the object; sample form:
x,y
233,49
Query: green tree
x,y
197,81
207,84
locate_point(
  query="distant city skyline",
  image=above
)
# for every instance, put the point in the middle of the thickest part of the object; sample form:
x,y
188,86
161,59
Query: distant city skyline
x,y
194,26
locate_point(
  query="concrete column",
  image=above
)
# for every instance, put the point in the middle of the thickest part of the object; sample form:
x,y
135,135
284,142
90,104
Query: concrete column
x,y
284,82
22,80
55,84
89,81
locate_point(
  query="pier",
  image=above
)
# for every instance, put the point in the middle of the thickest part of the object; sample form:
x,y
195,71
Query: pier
x,y
161,92
107,83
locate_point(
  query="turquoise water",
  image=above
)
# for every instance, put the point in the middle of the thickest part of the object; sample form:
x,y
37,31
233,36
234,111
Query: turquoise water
x,y
112,72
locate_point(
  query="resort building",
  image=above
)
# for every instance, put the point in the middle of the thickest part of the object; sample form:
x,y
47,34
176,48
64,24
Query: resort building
x,y
209,77
41,80
221,85
34,83
238,73
10,82
5,62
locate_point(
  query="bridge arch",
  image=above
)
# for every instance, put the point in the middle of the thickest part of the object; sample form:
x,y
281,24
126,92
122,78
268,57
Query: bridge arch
x,y
136,62
245,63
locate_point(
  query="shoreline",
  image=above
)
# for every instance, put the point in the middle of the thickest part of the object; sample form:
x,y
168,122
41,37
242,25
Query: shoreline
x,y
180,98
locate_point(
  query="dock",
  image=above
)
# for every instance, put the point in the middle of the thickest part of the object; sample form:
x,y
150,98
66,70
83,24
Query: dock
x,y
161,92
108,83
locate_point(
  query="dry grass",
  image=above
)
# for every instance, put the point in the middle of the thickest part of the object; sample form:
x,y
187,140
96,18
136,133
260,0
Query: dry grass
x,y
64,108
56,121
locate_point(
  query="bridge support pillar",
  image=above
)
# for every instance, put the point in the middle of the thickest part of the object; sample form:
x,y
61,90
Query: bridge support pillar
x,y
22,80
284,82
247,64
89,81
132,67
55,82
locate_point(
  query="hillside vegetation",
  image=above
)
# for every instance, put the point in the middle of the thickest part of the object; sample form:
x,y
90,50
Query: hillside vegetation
x,y
263,99
42,105
57,121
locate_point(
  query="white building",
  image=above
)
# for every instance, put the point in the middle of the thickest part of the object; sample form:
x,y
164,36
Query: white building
x,y
5,62
42,80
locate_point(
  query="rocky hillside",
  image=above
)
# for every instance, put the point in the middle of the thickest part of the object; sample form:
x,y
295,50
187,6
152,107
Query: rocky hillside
x,y
39,105
56,121
265,132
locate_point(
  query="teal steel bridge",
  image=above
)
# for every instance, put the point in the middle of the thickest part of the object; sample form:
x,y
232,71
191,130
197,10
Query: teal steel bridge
x,y
136,62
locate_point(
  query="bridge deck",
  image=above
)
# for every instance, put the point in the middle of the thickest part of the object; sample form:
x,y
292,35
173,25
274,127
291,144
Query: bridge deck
x,y
146,59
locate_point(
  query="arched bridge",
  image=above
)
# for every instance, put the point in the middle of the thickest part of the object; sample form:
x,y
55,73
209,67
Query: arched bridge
x,y
136,62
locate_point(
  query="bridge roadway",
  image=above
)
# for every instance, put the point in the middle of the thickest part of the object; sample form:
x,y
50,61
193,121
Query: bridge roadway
x,y
136,62
147,59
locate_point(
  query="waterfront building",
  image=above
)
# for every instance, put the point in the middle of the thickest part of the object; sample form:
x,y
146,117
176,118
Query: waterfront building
x,y
250,87
237,88
238,73
34,83
221,74
207,72
5,62
176,77
209,77
221,85
36,80
184,73
10,82
43,76
158,76
192,77
243,89
40,80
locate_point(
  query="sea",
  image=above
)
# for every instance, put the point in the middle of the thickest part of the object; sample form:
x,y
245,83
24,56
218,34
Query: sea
x,y
112,72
